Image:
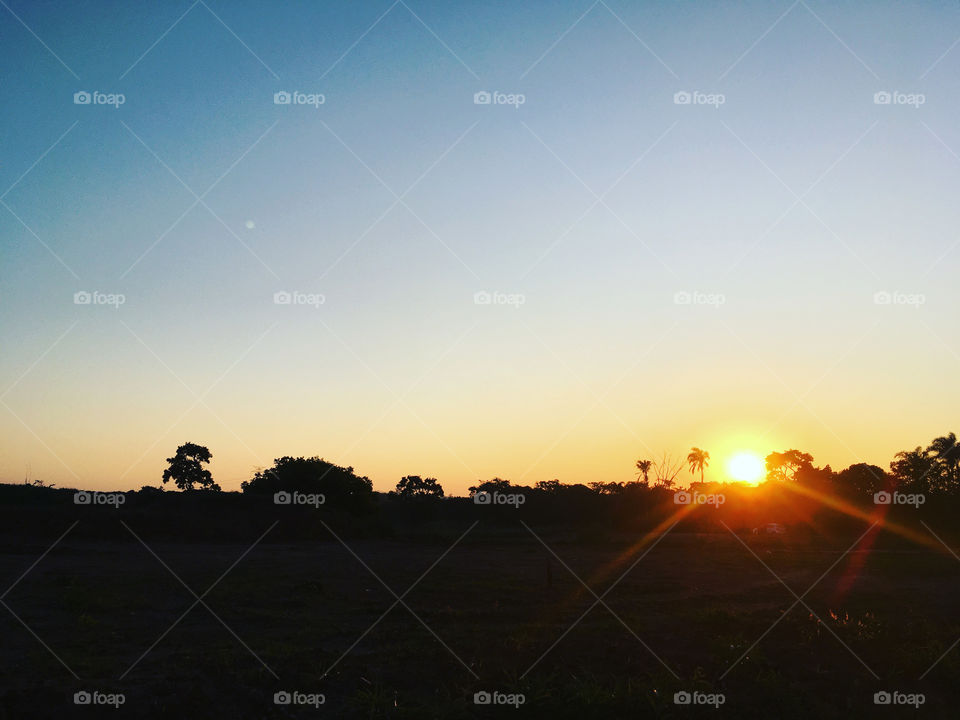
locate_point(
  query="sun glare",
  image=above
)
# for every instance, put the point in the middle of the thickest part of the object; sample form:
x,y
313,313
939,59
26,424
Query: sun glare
x,y
745,467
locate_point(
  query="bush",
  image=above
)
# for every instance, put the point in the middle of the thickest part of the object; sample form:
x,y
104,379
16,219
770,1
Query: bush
x,y
340,486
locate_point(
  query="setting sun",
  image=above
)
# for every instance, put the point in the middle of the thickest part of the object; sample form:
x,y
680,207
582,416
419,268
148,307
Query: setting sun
x,y
746,467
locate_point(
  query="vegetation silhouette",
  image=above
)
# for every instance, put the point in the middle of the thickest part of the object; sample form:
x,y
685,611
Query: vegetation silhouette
x,y
414,486
187,468
644,467
697,460
808,499
340,486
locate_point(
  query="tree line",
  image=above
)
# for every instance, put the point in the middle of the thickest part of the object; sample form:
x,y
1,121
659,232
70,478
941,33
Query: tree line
x,y
930,470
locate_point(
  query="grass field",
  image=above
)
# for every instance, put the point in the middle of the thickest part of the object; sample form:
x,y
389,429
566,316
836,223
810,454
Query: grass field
x,y
707,613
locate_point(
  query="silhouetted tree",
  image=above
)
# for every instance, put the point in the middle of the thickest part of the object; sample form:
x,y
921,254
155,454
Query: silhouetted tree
x,y
697,460
339,485
644,467
495,485
550,486
606,488
946,455
911,470
815,478
416,486
187,468
861,479
786,465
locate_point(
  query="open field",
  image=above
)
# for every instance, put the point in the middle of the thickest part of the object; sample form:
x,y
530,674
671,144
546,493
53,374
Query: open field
x,y
418,359
489,615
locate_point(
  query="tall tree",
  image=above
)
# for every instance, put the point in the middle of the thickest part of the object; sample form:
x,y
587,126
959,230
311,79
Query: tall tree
x,y
644,467
698,459
187,468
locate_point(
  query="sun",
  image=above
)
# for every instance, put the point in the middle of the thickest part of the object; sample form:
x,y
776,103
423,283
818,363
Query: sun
x,y
745,467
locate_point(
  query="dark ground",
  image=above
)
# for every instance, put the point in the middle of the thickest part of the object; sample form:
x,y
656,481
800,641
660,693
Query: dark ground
x,y
477,621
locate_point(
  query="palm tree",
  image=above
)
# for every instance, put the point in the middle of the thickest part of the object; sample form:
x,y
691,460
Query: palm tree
x,y
644,467
697,460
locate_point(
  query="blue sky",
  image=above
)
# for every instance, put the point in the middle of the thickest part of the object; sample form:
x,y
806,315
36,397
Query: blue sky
x,y
597,200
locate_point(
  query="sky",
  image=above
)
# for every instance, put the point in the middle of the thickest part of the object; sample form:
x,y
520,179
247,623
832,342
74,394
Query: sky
x,y
725,225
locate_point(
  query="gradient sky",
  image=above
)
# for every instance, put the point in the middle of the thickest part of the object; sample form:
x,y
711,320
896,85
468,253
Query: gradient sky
x,y
797,201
